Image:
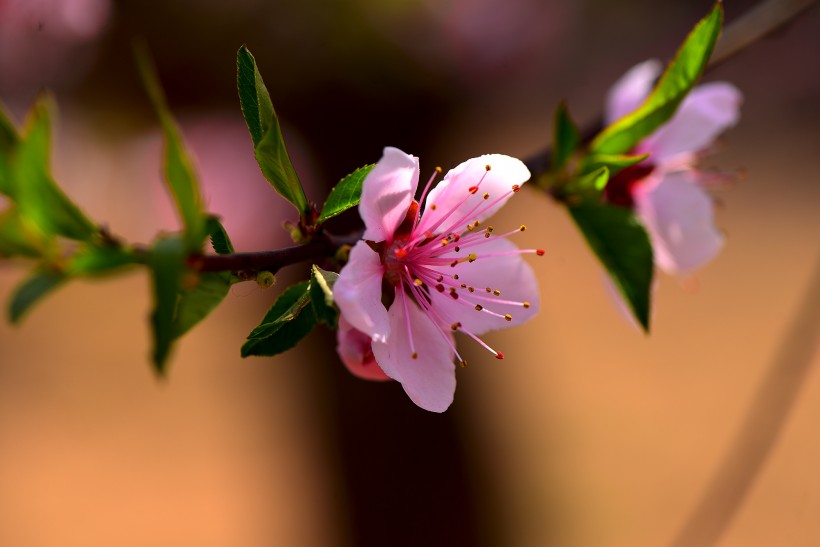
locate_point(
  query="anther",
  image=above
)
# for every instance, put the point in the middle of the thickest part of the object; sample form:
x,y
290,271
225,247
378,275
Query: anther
x,y
415,355
453,293
487,167
454,263
479,307
438,170
522,228
455,276
486,196
539,252
489,289
526,305
508,317
497,292
418,282
440,287
471,289
440,278
473,257
463,363
457,249
464,285
499,355
473,189
515,188
432,206
455,326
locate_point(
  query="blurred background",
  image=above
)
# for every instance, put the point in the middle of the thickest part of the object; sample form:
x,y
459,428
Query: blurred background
x,y
588,434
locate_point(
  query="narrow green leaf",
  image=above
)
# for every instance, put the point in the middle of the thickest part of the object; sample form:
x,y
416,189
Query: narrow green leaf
x,y
178,169
94,261
197,303
167,263
614,163
289,320
30,185
19,238
678,79
219,237
622,245
566,137
321,296
345,195
587,186
263,124
39,284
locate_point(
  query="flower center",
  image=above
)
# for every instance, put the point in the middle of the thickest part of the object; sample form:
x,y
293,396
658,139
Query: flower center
x,y
430,266
619,190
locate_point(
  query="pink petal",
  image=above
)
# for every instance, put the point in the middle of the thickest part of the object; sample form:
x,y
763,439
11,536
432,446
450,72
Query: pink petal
x,y
387,192
430,379
354,349
679,216
631,89
706,112
452,195
509,274
358,292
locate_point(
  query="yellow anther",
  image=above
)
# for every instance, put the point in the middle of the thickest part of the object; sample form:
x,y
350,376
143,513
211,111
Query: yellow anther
x,y
508,317
479,307
526,305
497,292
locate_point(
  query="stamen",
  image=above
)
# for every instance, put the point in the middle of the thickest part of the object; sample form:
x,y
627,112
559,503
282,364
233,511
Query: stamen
x,y
429,185
508,317
407,321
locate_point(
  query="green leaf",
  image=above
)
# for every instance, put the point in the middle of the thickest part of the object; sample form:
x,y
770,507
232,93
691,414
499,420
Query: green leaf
x,y
30,185
623,246
566,137
19,238
289,320
587,186
263,124
167,263
614,163
321,296
345,195
39,284
195,304
9,139
219,237
95,261
177,165
678,79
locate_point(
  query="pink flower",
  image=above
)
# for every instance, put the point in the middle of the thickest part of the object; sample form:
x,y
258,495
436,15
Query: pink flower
x,y
666,190
418,276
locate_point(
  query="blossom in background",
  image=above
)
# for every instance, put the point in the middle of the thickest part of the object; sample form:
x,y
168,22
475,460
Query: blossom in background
x,y
419,275
666,190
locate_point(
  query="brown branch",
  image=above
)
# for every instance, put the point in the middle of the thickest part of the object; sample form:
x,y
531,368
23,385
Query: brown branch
x,y
270,261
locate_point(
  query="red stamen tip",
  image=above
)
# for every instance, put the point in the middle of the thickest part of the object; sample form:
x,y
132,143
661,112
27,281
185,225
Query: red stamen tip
x,y
473,189
515,188
499,355
539,252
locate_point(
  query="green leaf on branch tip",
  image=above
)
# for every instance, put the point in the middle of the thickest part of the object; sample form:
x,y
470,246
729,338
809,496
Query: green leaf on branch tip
x,y
672,87
18,237
345,195
321,296
197,303
219,237
289,320
566,137
97,261
614,163
587,186
178,169
622,245
167,263
263,124
29,184
39,284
